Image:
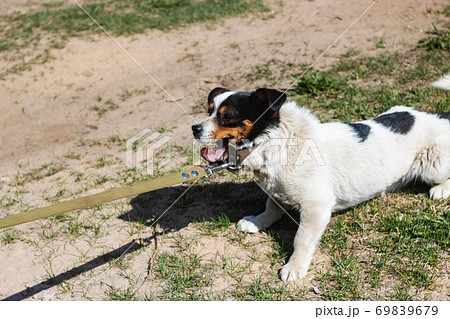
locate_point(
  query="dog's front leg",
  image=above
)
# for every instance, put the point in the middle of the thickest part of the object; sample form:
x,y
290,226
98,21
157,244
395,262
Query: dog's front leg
x,y
314,220
254,224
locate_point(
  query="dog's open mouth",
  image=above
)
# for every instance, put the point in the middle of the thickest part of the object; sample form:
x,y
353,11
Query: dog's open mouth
x,y
219,155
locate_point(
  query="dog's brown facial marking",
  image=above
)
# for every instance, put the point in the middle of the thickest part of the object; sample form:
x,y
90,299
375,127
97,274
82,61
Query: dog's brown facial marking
x,y
222,110
238,133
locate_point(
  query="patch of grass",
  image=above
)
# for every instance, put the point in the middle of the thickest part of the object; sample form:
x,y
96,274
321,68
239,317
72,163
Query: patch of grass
x,y
262,72
401,292
8,202
103,161
377,270
39,173
259,290
214,226
406,244
100,110
127,94
109,105
10,236
183,274
73,155
342,280
117,139
317,82
413,240
162,129
278,254
365,66
120,294
381,44
57,197
270,73
440,40
423,228
101,180
94,142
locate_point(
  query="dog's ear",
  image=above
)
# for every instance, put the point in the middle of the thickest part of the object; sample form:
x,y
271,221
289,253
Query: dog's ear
x,y
265,99
214,93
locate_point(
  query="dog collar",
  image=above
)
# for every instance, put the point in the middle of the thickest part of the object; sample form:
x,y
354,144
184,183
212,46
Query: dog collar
x,y
237,155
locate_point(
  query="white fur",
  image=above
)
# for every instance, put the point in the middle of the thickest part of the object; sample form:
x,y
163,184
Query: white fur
x,y
354,171
218,100
443,83
209,124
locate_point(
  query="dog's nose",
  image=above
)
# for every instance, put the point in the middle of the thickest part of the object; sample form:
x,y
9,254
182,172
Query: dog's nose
x,y
197,129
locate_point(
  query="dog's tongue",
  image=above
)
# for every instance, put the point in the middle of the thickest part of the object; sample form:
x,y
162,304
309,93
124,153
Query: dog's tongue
x,y
215,156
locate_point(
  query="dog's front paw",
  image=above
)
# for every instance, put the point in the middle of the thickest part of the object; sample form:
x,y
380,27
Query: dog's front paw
x,y
248,225
292,271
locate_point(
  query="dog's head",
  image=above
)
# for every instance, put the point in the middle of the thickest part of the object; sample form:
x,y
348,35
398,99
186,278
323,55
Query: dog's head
x,y
239,115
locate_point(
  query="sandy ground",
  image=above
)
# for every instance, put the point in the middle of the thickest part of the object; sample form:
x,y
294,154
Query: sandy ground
x,y
47,112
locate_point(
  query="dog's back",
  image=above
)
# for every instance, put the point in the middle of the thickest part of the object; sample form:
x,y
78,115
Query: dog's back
x,y
368,158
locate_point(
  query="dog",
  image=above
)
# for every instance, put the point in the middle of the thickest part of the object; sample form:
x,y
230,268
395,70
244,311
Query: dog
x,y
344,164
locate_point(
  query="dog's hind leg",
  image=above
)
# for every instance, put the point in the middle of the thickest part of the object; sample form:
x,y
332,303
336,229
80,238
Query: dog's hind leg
x,y
433,167
441,191
254,224
437,173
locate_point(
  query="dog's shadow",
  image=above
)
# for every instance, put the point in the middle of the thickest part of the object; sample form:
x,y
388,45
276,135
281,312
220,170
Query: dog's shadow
x,y
176,207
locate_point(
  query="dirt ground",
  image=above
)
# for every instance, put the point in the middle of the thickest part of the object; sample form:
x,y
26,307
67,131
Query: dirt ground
x,y
47,112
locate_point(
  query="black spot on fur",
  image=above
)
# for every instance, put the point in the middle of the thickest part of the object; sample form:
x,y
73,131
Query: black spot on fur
x,y
362,130
444,116
397,122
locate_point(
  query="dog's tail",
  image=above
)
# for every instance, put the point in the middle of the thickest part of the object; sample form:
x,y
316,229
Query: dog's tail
x,y
443,83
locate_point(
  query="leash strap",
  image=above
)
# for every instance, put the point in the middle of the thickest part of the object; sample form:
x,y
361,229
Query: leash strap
x,y
188,174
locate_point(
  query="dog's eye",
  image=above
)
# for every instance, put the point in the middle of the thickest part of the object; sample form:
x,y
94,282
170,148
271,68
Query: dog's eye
x,y
227,118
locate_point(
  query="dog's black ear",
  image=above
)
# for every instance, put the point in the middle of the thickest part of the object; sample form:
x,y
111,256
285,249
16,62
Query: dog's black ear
x,y
266,99
214,93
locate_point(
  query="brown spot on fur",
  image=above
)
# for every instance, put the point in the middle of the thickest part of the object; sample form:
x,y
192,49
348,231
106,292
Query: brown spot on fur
x,y
222,110
239,132
210,108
